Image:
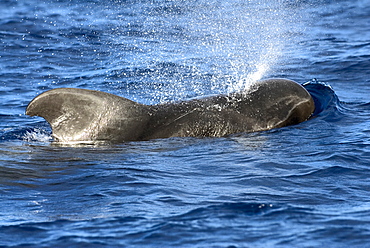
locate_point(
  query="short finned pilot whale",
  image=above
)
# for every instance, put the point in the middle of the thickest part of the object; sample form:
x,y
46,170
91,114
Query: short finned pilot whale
x,y
87,115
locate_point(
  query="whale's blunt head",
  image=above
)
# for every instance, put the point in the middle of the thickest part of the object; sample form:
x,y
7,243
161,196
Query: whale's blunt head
x,y
277,103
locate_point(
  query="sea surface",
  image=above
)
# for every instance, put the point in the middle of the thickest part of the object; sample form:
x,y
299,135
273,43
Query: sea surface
x,y
306,185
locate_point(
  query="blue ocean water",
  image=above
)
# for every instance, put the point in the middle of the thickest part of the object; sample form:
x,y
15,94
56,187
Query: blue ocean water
x,y
300,186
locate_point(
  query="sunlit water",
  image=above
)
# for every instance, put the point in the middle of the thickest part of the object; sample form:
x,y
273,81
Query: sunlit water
x,y
301,186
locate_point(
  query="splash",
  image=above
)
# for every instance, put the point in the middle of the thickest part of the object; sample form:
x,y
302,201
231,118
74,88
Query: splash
x,y
37,135
244,40
262,66
263,26
195,48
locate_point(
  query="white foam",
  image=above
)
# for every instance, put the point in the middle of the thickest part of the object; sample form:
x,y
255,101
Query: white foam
x,y
37,135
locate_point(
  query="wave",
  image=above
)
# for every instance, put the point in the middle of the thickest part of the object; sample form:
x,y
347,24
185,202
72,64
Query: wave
x,y
326,101
184,229
210,226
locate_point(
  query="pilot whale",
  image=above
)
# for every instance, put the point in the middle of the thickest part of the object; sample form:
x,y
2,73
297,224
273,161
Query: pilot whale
x,y
80,115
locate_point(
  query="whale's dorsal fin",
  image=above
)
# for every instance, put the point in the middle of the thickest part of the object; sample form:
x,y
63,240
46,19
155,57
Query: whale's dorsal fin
x,y
85,115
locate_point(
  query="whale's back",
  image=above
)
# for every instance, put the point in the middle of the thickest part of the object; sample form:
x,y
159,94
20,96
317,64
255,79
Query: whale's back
x,y
87,115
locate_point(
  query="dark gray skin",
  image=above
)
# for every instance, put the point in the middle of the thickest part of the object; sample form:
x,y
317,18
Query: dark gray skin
x,y
78,115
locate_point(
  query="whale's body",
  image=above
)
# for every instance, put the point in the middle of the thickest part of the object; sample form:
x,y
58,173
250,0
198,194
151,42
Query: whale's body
x,y
87,115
